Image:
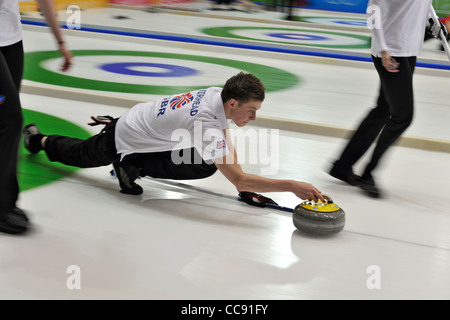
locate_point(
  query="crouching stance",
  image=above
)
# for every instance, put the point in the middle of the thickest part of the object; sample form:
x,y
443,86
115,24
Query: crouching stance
x,y
184,136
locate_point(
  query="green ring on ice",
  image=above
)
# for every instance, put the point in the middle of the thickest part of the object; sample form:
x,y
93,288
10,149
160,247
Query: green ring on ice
x,y
227,32
274,79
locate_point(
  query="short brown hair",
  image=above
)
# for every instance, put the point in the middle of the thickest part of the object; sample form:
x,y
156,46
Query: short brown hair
x,y
243,87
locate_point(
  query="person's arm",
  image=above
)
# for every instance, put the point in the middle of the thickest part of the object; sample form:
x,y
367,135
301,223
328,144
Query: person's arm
x,y
48,10
374,9
232,170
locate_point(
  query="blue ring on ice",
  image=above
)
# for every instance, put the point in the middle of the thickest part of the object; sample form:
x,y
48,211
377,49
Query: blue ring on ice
x,y
352,23
298,36
126,68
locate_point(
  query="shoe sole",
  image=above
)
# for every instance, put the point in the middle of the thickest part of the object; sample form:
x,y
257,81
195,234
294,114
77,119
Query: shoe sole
x,y
28,134
352,182
370,193
6,228
15,224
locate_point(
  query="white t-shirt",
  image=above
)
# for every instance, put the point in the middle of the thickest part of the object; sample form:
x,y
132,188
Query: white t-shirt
x,y
10,25
193,119
401,28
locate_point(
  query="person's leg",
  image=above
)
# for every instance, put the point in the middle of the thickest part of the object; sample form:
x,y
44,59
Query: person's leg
x,y
399,94
89,153
14,57
366,133
12,219
163,165
362,138
400,97
96,151
183,164
290,7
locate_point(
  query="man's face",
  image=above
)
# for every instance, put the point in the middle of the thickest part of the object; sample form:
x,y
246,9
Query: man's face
x,y
243,113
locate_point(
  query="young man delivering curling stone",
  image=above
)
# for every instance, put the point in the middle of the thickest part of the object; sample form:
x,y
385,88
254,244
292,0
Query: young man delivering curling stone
x,y
140,143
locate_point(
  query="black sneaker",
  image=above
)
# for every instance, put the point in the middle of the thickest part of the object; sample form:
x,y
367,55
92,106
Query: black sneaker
x,y
127,174
14,222
32,138
344,175
368,186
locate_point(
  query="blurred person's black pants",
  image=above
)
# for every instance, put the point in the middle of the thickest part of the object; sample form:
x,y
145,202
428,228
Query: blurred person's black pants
x,y
11,120
388,120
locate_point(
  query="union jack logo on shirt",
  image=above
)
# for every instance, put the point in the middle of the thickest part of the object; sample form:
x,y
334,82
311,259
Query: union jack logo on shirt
x,y
220,144
2,98
181,100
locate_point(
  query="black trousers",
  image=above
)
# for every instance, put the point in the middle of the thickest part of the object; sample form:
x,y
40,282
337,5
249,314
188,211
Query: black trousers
x,y
388,120
96,151
11,121
162,164
100,150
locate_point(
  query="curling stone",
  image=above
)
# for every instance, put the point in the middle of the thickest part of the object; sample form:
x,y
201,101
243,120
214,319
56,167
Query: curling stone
x,y
319,218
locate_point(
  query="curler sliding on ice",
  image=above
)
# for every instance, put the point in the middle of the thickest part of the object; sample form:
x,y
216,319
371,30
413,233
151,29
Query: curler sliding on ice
x,y
181,137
